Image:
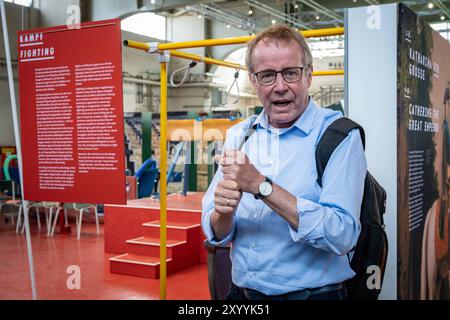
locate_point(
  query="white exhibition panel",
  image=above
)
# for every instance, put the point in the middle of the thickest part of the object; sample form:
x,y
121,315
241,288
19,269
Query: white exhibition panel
x,y
371,100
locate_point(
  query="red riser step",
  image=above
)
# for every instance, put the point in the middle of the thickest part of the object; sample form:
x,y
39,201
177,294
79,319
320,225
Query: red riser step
x,y
137,266
178,215
175,230
142,258
150,247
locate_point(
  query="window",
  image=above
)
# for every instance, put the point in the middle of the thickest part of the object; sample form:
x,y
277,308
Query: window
x,y
328,47
443,28
146,24
25,3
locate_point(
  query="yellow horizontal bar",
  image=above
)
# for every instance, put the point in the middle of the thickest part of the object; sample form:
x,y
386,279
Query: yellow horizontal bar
x,y
185,55
204,43
328,73
136,45
227,41
207,60
327,32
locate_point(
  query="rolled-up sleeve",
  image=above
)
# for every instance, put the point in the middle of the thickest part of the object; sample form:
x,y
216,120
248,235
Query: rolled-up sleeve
x,y
207,229
332,223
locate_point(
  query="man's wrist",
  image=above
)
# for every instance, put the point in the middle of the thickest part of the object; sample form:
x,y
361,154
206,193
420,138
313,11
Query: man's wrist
x,y
255,188
221,225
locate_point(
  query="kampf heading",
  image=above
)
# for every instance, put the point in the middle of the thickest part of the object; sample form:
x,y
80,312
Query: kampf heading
x,y
30,51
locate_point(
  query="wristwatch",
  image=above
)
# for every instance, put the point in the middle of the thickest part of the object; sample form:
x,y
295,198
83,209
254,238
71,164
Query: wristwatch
x,y
265,189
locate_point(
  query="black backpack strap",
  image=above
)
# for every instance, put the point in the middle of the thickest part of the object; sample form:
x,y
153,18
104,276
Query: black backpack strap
x,y
250,130
331,138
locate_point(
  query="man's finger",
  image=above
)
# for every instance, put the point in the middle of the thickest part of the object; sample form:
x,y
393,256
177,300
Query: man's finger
x,y
227,169
229,184
231,177
228,191
224,209
230,152
217,158
228,161
235,157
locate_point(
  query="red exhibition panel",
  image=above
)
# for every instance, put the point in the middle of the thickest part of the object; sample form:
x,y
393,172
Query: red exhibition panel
x,y
71,112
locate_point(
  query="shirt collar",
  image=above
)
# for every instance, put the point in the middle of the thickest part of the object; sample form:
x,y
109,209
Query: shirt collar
x,y
305,122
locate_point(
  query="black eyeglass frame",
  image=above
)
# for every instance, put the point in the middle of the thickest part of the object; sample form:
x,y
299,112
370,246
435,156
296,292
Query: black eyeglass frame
x,y
281,72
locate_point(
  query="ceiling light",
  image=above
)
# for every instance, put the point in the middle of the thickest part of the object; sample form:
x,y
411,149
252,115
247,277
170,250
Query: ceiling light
x,y
430,5
228,26
250,12
199,16
296,6
317,18
152,1
274,21
354,1
442,18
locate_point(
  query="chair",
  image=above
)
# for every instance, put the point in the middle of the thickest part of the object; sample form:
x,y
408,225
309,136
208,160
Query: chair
x,y
146,177
9,190
80,208
48,215
12,215
6,191
11,176
219,270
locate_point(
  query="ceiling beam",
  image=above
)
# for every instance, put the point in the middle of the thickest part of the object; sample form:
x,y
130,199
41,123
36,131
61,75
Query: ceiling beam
x,y
215,14
372,2
317,6
441,6
278,14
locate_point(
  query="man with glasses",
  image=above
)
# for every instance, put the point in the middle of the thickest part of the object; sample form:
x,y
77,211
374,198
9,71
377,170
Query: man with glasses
x,y
290,237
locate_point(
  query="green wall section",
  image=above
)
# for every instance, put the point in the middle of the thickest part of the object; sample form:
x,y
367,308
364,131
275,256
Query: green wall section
x,y
192,167
146,123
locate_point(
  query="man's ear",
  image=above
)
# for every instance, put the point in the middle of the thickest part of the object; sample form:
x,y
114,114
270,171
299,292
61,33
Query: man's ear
x,y
309,74
252,79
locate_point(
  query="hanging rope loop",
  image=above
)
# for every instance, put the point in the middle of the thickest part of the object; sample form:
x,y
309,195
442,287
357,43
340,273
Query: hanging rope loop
x,y
186,70
235,83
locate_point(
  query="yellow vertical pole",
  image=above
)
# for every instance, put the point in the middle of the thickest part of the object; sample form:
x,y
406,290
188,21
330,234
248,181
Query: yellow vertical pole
x,y
164,59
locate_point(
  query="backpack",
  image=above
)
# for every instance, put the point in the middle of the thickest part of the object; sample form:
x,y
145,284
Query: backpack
x,y
372,246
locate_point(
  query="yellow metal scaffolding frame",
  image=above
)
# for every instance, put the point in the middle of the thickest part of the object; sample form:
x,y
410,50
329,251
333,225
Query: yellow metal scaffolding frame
x,y
164,51
224,41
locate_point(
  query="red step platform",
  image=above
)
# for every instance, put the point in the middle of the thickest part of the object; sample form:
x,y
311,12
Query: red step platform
x,y
132,231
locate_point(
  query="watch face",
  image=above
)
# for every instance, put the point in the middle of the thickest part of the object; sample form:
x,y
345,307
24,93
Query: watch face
x,y
265,188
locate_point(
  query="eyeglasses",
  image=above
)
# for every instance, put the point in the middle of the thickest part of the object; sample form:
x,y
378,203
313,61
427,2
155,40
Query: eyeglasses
x,y
268,77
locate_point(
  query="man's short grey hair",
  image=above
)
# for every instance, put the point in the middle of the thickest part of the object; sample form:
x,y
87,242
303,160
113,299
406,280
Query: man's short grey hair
x,y
281,33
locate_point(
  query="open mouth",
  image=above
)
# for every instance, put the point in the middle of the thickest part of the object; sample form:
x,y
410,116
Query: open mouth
x,y
282,103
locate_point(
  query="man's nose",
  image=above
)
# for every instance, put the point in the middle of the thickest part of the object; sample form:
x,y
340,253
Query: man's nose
x,y
280,84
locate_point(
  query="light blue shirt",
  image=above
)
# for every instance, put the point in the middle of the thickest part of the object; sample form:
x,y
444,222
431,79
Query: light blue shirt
x,y
270,256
